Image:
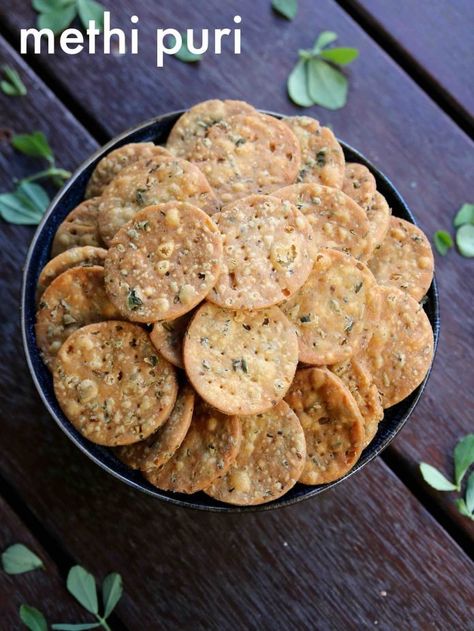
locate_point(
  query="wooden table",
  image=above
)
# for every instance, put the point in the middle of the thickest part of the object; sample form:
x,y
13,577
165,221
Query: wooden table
x,y
380,551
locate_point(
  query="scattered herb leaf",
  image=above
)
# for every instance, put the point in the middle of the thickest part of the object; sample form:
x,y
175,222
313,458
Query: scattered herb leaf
x,y
184,54
12,85
464,215
81,626
133,301
315,80
286,8
81,584
58,19
32,618
18,559
463,458
25,206
470,494
435,478
91,10
465,240
462,508
57,15
35,144
112,590
443,241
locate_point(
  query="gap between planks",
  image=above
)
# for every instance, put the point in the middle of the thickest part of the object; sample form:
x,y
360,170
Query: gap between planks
x,y
418,73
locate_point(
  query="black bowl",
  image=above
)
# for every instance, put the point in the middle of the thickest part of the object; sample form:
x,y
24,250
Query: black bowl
x,y
157,130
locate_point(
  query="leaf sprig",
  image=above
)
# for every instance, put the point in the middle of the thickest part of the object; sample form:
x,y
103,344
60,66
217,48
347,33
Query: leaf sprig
x,y
18,559
463,460
57,15
316,79
184,54
12,85
464,222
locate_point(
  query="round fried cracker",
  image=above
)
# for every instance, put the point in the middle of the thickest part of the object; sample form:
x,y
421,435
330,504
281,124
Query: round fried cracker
x,y
332,424
117,160
247,154
84,256
159,447
354,374
322,157
267,252
163,263
404,259
334,308
337,221
75,298
207,451
378,214
79,228
156,180
112,384
168,338
196,122
270,459
359,184
240,362
400,352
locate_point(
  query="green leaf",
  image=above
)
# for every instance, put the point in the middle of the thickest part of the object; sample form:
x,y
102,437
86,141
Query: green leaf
x,y
324,39
465,240
35,144
341,56
90,10
470,493
33,619
81,584
46,6
13,86
464,215
463,457
112,590
298,85
35,194
184,54
326,85
57,20
443,241
18,559
462,508
286,8
435,478
25,206
81,626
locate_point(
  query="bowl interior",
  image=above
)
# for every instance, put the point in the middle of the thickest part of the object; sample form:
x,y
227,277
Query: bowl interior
x,y
157,131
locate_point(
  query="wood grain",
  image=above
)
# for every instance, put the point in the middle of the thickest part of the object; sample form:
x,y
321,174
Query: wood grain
x,y
387,117
43,588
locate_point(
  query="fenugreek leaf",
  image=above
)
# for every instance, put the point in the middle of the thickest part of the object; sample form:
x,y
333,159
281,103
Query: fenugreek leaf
x,y
462,508
435,478
463,458
443,241
340,56
91,10
32,618
81,584
464,215
46,6
470,493
298,85
80,626
111,592
35,144
286,8
465,240
18,559
25,206
326,85
58,19
12,85
184,54
324,39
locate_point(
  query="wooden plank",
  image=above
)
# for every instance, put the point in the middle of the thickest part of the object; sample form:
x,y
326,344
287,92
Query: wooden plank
x,y
436,38
44,588
387,117
355,557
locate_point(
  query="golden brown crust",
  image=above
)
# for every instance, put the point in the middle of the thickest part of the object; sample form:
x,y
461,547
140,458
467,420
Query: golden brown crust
x,y
404,259
335,309
267,253
241,362
79,228
207,451
112,385
332,424
270,460
337,221
401,349
378,214
322,157
168,338
163,263
359,184
75,298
